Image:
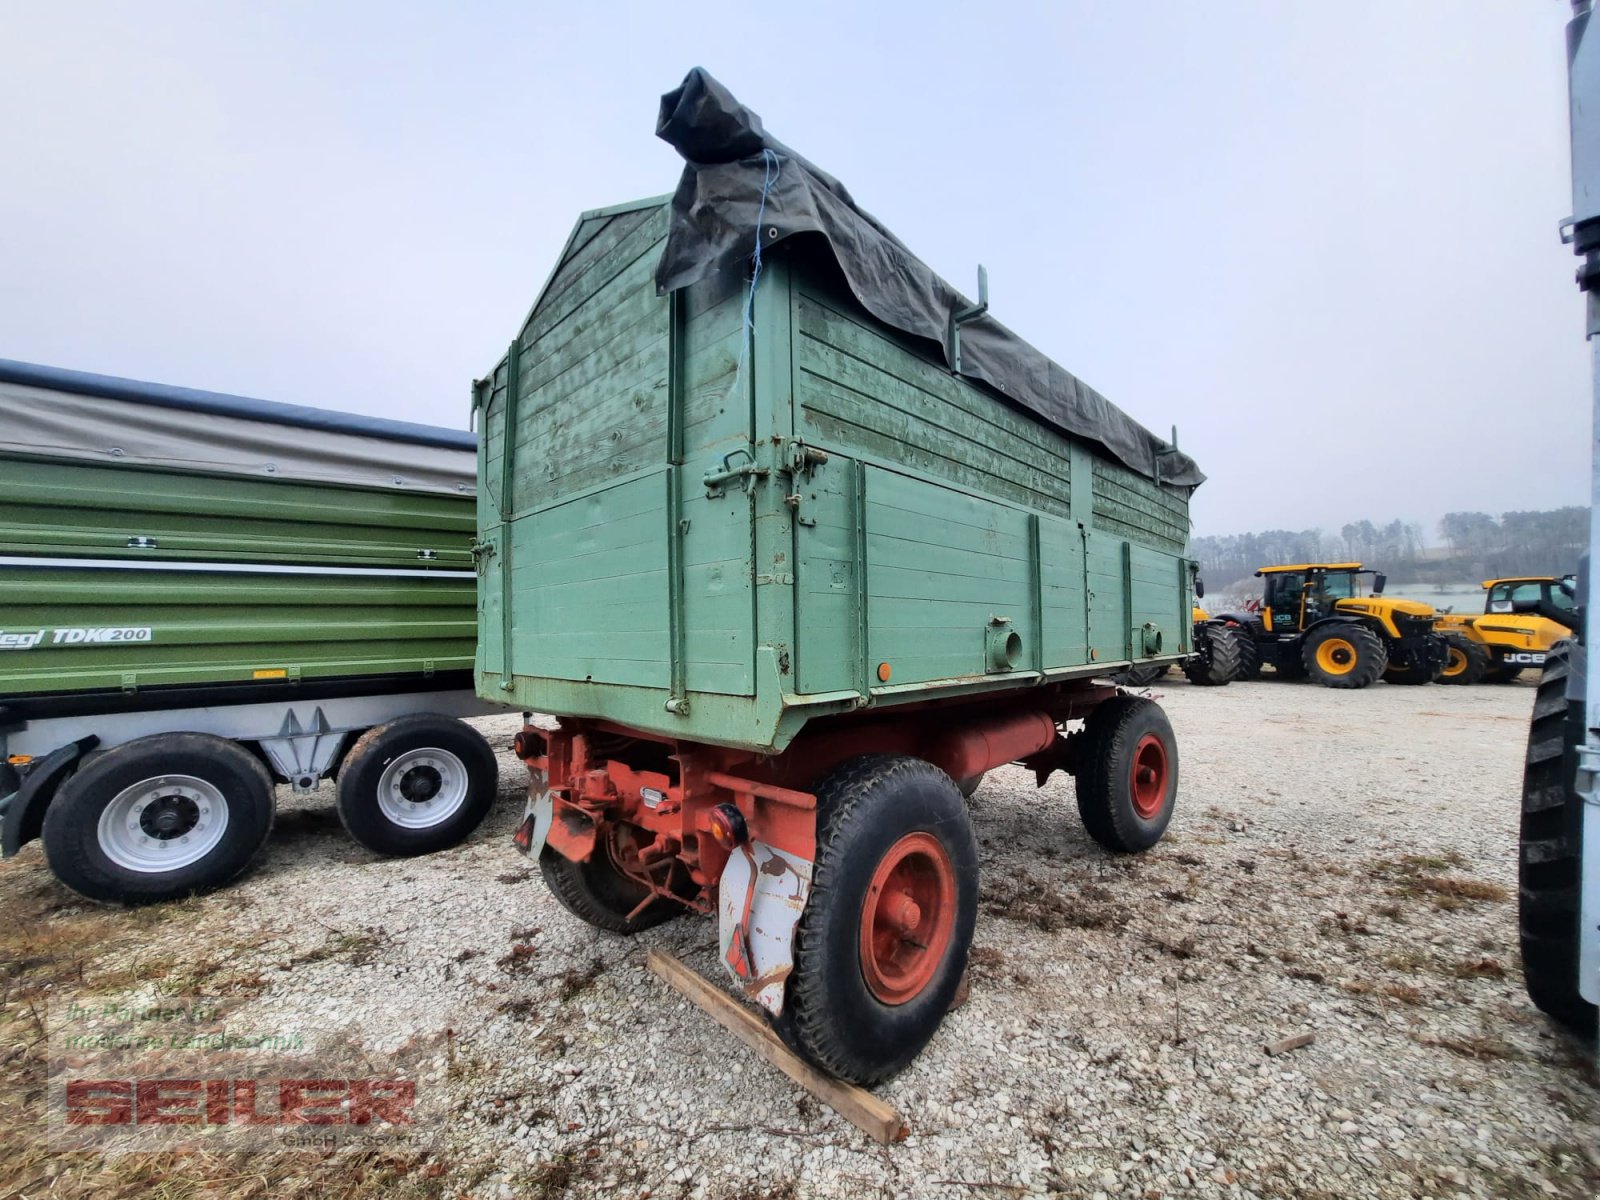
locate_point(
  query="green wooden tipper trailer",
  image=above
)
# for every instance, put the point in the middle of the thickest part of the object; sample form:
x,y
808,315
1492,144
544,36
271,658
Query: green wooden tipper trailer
x,y
202,595
797,542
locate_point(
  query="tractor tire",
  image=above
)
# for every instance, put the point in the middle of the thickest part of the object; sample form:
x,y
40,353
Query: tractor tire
x,y
599,894
1468,661
1548,866
1289,664
1249,651
1343,655
872,981
1127,777
1502,674
1409,675
1141,676
1215,662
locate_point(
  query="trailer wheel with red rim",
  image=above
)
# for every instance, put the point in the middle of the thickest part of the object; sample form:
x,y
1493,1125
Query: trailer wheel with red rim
x,y
883,941
1127,774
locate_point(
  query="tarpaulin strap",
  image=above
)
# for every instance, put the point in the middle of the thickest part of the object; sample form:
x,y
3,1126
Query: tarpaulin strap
x,y
772,167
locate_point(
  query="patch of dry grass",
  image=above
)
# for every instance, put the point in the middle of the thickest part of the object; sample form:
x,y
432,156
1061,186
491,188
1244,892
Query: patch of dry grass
x,y
1024,898
52,943
1481,1046
1417,877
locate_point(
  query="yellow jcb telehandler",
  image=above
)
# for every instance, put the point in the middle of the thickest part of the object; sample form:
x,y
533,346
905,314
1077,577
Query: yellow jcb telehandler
x,y
1506,638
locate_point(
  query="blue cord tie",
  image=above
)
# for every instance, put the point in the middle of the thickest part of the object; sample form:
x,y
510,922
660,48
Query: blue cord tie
x,y
772,167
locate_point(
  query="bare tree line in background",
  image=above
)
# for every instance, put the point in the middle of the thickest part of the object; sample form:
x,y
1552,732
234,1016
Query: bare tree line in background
x,y
1476,546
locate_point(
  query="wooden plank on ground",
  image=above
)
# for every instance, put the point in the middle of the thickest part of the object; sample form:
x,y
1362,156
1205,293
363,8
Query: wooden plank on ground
x,y
861,1108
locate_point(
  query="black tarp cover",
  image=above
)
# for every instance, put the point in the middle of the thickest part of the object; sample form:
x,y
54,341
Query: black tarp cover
x,y
713,229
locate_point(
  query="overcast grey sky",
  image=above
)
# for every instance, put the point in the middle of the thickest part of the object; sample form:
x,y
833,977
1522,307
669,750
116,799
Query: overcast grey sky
x,y
1320,238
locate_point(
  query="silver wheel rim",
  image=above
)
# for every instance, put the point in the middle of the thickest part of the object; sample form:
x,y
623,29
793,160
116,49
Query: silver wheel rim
x,y
163,823
422,788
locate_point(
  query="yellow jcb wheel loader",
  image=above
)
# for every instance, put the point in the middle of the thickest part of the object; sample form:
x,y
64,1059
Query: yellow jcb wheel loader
x,y
1510,635
1315,621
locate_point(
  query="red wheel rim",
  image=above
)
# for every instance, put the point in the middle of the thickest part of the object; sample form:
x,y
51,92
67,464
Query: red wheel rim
x,y
1149,776
907,918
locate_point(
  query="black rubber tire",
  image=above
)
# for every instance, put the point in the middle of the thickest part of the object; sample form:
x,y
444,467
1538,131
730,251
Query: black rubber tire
x,y
1104,773
1288,664
830,1017
10,779
71,824
1249,651
1371,656
600,895
1408,676
1215,661
1472,657
1499,673
363,767
1141,676
1548,859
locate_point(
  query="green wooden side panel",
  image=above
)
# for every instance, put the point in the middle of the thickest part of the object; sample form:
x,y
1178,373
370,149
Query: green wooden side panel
x,y
940,565
490,658
1064,593
862,389
716,535
589,578
827,597
1109,633
594,366
718,574
214,626
1139,509
594,530
716,391
1158,589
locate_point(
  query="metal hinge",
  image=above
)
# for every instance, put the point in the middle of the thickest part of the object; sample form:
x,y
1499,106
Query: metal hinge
x,y
797,457
798,460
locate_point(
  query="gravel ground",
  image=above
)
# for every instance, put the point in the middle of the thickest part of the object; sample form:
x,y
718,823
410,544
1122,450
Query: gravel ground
x,y
1340,864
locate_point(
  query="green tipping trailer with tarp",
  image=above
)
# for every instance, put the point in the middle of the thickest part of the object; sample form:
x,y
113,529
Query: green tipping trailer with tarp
x,y
764,503
274,581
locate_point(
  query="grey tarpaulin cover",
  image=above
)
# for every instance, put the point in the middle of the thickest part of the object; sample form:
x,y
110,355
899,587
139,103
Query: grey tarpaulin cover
x,y
713,228
52,413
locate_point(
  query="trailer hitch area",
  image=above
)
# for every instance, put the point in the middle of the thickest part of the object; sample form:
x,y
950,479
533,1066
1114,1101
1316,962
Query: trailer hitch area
x,y
1061,755
759,901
